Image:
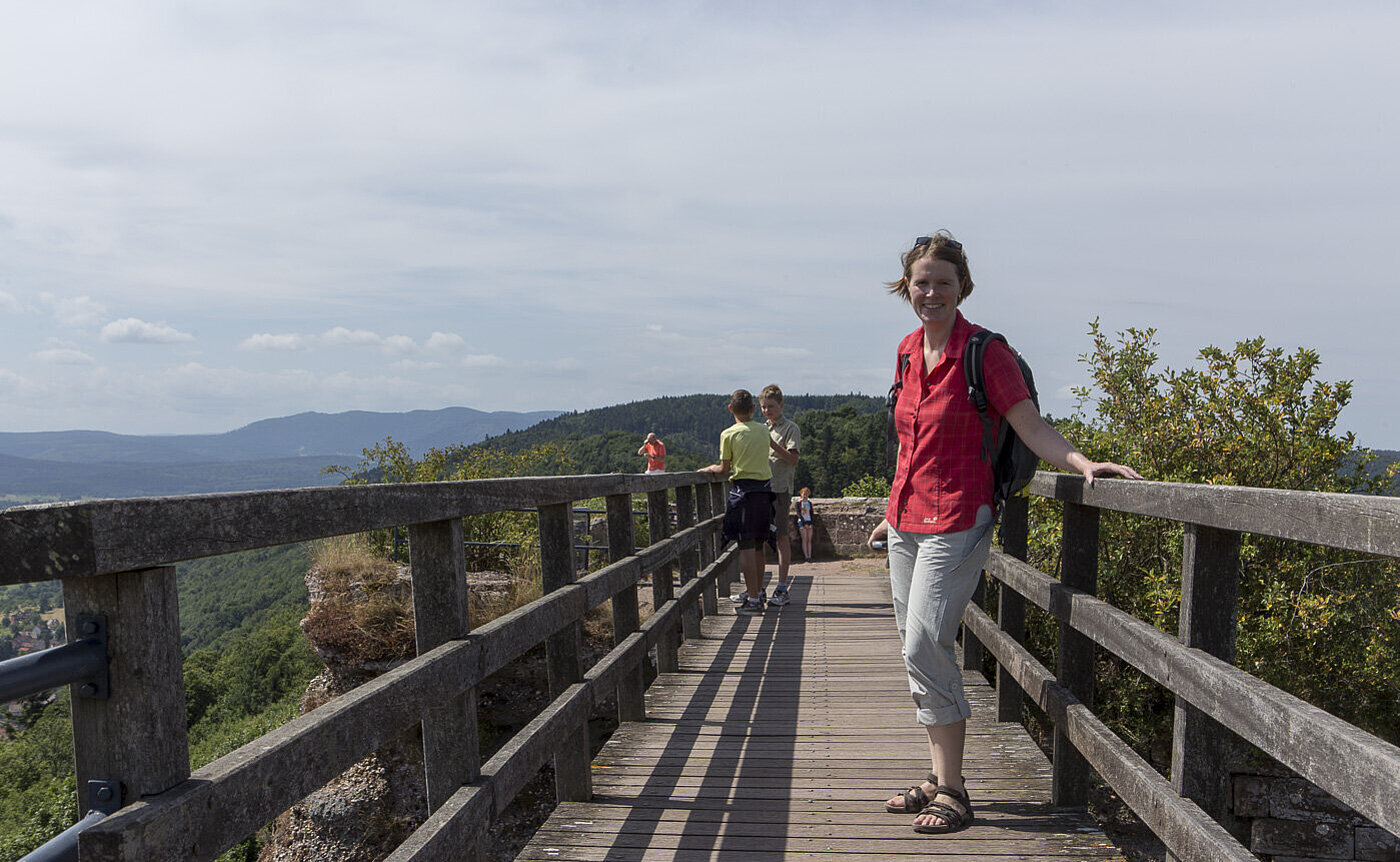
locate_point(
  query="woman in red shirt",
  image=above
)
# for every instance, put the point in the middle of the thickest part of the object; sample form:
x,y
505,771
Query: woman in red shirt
x,y
939,518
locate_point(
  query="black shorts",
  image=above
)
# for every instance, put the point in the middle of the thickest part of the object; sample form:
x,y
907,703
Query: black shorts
x,y
749,512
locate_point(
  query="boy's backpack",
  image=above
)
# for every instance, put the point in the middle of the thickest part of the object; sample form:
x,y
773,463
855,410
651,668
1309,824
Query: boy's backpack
x,y
1013,462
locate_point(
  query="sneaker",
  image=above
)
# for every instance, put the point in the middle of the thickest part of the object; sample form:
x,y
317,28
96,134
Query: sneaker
x,y
780,597
739,598
751,606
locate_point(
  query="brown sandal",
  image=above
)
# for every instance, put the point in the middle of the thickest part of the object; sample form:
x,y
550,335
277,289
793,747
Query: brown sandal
x,y
954,820
915,798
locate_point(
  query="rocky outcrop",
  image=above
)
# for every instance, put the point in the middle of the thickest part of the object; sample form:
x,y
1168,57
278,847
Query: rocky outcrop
x,y
360,624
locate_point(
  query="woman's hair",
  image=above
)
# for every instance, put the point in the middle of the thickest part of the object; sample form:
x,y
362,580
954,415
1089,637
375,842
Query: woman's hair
x,y
805,491
940,246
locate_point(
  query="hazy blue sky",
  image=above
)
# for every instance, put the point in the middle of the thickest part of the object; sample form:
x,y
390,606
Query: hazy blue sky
x,y
219,212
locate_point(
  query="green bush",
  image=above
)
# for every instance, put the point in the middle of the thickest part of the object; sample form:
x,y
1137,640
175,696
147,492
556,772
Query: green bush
x,y
1319,623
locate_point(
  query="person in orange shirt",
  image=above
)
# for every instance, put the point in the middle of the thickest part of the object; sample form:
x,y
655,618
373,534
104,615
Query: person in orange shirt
x,y
655,451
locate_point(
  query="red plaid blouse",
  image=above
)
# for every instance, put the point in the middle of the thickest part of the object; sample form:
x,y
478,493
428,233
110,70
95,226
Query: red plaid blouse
x,y
941,479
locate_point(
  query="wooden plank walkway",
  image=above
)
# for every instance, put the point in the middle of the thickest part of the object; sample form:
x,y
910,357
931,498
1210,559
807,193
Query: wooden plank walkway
x,y
780,738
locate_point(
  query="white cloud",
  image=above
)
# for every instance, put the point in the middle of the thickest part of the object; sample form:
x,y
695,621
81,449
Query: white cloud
x,y
483,360
131,330
76,311
169,166
398,345
268,342
444,342
414,365
392,345
56,352
9,303
339,336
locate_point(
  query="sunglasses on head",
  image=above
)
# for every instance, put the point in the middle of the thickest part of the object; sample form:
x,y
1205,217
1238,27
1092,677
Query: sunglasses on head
x,y
948,243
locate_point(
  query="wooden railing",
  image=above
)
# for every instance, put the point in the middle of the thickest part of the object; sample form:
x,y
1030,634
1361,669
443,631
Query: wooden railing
x,y
1217,704
114,559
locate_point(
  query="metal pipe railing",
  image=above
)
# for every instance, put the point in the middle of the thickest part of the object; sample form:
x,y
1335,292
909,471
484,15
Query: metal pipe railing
x,y
103,798
83,662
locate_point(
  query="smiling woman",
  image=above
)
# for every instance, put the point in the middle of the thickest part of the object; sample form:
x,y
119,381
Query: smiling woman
x,y
941,508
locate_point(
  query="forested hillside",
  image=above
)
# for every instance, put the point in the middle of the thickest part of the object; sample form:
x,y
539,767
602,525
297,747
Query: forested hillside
x,y
229,596
843,436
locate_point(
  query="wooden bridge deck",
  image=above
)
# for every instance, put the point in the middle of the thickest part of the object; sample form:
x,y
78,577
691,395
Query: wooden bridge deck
x,y
779,739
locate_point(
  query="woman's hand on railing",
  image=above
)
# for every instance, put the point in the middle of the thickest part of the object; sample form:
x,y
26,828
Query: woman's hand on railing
x,y
1091,469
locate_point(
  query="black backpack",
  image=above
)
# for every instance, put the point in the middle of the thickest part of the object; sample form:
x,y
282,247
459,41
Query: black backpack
x,y
1013,462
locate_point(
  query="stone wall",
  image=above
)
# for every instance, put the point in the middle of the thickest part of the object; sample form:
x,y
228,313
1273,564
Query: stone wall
x,y
1292,820
840,526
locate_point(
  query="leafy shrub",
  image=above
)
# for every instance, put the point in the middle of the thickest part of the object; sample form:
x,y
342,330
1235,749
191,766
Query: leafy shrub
x,y
1319,623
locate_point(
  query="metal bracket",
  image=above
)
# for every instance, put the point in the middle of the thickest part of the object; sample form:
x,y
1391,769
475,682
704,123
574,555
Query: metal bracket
x,y
104,796
92,628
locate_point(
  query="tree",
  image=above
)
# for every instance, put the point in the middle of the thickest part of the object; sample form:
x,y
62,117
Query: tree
x,y
840,447
496,536
1319,623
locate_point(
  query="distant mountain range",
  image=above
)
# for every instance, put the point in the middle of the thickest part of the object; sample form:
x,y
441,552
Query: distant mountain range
x,y
288,452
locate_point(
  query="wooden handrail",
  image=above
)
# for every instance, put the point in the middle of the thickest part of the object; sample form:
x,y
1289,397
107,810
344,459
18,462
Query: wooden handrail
x,y
1216,702
114,556
98,537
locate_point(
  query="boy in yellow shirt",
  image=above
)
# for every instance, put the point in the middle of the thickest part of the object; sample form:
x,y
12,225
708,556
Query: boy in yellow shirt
x,y
748,515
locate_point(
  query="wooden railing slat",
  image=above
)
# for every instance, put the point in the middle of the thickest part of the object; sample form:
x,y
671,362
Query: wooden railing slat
x,y
1353,522
1352,765
1186,830
63,540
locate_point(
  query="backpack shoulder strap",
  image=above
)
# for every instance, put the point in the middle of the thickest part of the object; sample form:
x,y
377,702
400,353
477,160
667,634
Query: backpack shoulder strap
x,y
974,355
891,436
898,380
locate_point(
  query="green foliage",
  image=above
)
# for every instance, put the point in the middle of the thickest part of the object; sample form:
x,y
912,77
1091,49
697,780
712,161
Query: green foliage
x,y
842,441
841,447
1319,623
495,538
37,795
229,686
606,440
14,597
868,486
235,593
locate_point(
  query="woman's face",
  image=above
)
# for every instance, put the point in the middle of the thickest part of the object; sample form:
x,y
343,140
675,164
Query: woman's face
x,y
934,290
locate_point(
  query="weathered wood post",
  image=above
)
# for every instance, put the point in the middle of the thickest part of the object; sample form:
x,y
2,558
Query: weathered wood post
x,y
573,781
631,704
724,580
704,505
1075,652
1203,749
719,493
437,560
972,647
685,519
662,587
1011,605
136,735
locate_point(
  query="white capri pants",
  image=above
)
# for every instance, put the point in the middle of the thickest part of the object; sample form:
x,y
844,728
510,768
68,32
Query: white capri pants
x,y
932,577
